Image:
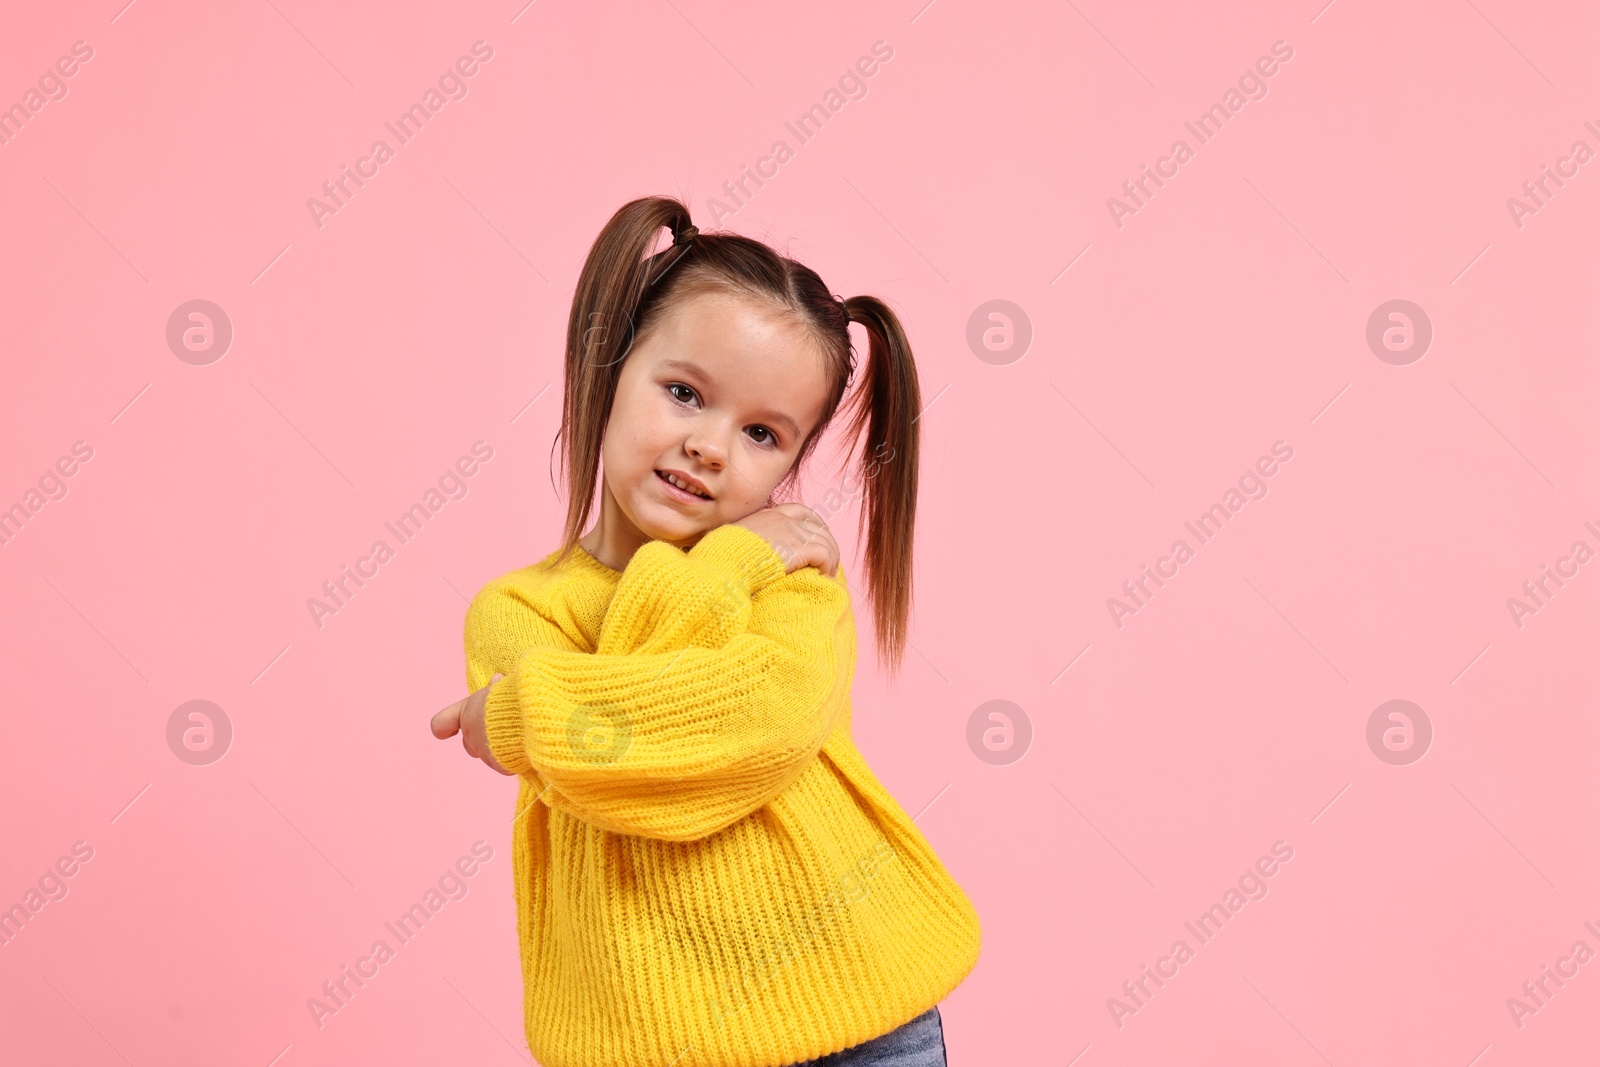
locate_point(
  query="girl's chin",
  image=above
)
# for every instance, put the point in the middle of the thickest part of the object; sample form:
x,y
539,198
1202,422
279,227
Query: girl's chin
x,y
669,525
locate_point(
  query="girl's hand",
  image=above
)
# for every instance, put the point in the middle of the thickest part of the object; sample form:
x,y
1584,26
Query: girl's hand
x,y
797,534
467,717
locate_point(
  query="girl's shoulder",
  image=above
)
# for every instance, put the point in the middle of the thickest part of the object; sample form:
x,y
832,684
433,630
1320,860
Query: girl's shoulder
x,y
570,598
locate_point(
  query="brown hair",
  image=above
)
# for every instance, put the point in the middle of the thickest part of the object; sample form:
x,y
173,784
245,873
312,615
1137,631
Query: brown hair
x,y
622,293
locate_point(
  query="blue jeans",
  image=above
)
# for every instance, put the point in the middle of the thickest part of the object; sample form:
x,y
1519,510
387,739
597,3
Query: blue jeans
x,y
919,1043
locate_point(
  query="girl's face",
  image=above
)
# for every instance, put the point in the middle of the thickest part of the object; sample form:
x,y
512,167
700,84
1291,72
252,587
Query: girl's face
x,y
722,392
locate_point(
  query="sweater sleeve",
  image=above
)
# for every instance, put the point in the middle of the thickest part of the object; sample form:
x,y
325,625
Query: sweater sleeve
x,y
668,599
715,681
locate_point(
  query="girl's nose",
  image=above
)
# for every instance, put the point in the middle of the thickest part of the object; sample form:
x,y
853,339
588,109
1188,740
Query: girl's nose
x,y
705,449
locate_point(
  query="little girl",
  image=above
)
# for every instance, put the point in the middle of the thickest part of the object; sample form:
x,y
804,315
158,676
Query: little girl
x,y
707,873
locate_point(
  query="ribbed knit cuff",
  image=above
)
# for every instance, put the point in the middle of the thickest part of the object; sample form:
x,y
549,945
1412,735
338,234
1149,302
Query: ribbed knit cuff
x,y
742,553
502,720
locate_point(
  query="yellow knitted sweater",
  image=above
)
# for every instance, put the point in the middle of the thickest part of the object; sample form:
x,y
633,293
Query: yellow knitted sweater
x,y
707,873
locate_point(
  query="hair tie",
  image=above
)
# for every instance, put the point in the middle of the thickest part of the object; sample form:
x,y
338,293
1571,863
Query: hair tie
x,y
685,234
846,309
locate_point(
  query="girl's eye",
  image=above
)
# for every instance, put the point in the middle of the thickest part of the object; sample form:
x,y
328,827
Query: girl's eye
x,y
771,438
679,385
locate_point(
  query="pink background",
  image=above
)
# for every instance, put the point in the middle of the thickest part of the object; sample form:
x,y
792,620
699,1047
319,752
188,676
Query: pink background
x,y
1167,754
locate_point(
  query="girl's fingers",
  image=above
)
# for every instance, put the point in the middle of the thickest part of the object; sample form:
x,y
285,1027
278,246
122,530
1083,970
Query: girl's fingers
x,y
448,721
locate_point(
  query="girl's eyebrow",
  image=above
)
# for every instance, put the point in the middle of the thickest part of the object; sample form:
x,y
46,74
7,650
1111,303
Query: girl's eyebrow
x,y
772,415
683,364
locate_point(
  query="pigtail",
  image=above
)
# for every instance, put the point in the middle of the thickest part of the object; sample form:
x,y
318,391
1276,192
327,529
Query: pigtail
x,y
887,404
600,330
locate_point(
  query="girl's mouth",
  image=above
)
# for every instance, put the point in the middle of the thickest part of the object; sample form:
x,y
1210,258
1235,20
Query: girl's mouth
x,y
678,491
